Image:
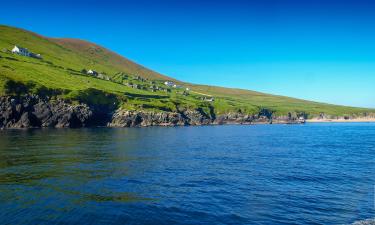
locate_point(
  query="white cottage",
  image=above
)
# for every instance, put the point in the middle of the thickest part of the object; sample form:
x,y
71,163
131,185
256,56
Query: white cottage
x,y
21,51
92,72
169,83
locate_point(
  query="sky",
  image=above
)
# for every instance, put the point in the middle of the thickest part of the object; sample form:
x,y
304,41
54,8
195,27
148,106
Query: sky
x,y
320,50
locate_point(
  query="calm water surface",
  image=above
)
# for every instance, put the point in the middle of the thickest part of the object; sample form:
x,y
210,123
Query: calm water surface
x,y
263,174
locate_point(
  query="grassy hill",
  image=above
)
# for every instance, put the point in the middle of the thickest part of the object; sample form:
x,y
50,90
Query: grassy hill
x,y
62,73
111,61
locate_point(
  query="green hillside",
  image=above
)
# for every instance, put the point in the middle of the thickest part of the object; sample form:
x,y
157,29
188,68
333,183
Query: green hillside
x,y
62,72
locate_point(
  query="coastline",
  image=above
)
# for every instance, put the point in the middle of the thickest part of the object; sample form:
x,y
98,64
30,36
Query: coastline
x,y
357,120
32,111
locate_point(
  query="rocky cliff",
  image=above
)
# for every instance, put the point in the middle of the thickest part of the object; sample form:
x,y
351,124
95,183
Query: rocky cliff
x,y
125,118
32,111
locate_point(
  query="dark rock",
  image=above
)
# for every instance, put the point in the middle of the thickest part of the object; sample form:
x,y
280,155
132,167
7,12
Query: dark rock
x,y
125,118
27,120
33,111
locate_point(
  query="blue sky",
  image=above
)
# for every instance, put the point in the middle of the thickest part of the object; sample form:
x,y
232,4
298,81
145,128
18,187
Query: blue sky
x,y
312,49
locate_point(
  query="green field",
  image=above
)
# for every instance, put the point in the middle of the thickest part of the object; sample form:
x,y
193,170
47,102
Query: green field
x,y
59,74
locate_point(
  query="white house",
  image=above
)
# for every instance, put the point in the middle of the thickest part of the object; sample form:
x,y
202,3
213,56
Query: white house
x,y
92,72
169,83
21,51
25,52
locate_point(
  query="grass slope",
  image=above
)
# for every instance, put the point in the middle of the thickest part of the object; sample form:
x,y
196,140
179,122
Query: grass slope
x,y
98,55
59,74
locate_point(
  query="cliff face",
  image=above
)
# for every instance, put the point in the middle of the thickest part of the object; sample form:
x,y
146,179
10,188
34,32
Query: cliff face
x,y
124,118
32,111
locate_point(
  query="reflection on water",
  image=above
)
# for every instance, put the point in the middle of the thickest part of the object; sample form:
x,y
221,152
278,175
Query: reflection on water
x,y
187,175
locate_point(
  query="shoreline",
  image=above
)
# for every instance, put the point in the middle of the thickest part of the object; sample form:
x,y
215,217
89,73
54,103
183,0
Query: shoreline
x,y
359,120
193,125
32,111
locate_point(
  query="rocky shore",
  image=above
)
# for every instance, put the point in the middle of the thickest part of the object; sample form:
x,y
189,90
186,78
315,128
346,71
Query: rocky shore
x,y
123,118
31,111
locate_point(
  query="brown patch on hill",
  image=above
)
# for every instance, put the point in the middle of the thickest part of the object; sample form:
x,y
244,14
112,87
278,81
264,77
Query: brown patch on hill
x,y
108,57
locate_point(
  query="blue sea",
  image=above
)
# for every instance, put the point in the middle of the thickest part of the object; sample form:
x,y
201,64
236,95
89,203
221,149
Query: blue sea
x,y
259,174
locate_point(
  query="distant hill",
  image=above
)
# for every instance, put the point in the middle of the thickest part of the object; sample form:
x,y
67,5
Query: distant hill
x,y
63,73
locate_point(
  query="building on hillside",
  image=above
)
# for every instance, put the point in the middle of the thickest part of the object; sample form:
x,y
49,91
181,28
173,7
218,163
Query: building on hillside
x,y
21,51
92,72
25,52
169,83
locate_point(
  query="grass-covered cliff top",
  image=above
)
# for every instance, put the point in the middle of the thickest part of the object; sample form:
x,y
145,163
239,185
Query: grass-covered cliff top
x,y
63,72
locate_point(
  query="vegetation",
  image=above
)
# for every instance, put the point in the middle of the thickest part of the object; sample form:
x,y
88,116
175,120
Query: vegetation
x,y
63,72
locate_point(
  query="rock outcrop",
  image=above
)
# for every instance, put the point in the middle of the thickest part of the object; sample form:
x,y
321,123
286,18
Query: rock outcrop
x,y
31,111
126,118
